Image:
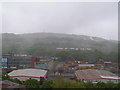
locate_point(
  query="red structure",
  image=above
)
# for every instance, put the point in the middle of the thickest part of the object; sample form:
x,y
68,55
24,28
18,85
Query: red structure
x,y
33,61
37,59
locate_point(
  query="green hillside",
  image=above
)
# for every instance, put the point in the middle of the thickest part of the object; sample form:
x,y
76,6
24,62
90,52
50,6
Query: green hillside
x,y
45,44
22,42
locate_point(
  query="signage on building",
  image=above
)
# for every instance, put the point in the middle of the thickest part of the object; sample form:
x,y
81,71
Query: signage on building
x,y
4,60
4,63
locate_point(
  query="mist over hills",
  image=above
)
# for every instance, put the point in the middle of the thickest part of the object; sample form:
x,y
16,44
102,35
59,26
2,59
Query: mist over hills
x,y
21,42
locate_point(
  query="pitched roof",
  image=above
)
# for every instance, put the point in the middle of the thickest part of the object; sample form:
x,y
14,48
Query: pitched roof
x,y
91,74
28,73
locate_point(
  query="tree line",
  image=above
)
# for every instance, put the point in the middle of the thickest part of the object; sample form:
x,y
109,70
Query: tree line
x,y
91,56
61,83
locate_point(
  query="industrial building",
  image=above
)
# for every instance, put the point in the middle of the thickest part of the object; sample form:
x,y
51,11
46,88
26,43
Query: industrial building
x,y
16,61
95,76
24,74
20,61
77,65
40,62
24,61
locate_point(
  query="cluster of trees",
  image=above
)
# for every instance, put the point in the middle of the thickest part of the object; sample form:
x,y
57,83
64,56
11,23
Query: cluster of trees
x,y
32,83
60,83
92,55
89,56
6,77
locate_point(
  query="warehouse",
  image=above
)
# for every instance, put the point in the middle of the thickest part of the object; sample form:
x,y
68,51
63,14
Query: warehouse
x,y
24,74
96,76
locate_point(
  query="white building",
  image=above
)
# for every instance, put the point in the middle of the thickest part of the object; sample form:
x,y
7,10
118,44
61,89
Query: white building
x,y
24,74
59,48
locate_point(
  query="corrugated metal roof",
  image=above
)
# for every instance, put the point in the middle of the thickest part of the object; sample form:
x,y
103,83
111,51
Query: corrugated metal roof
x,y
91,74
110,77
28,72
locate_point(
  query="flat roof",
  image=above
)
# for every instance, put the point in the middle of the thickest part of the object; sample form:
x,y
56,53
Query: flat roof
x,y
107,62
86,65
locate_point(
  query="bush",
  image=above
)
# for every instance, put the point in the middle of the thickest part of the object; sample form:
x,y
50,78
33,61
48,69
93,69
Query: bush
x,y
115,85
5,77
100,85
89,84
47,84
32,83
17,81
58,84
109,84
76,84
67,84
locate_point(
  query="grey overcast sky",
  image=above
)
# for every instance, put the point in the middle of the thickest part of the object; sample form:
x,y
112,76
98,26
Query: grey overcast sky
x,y
84,18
